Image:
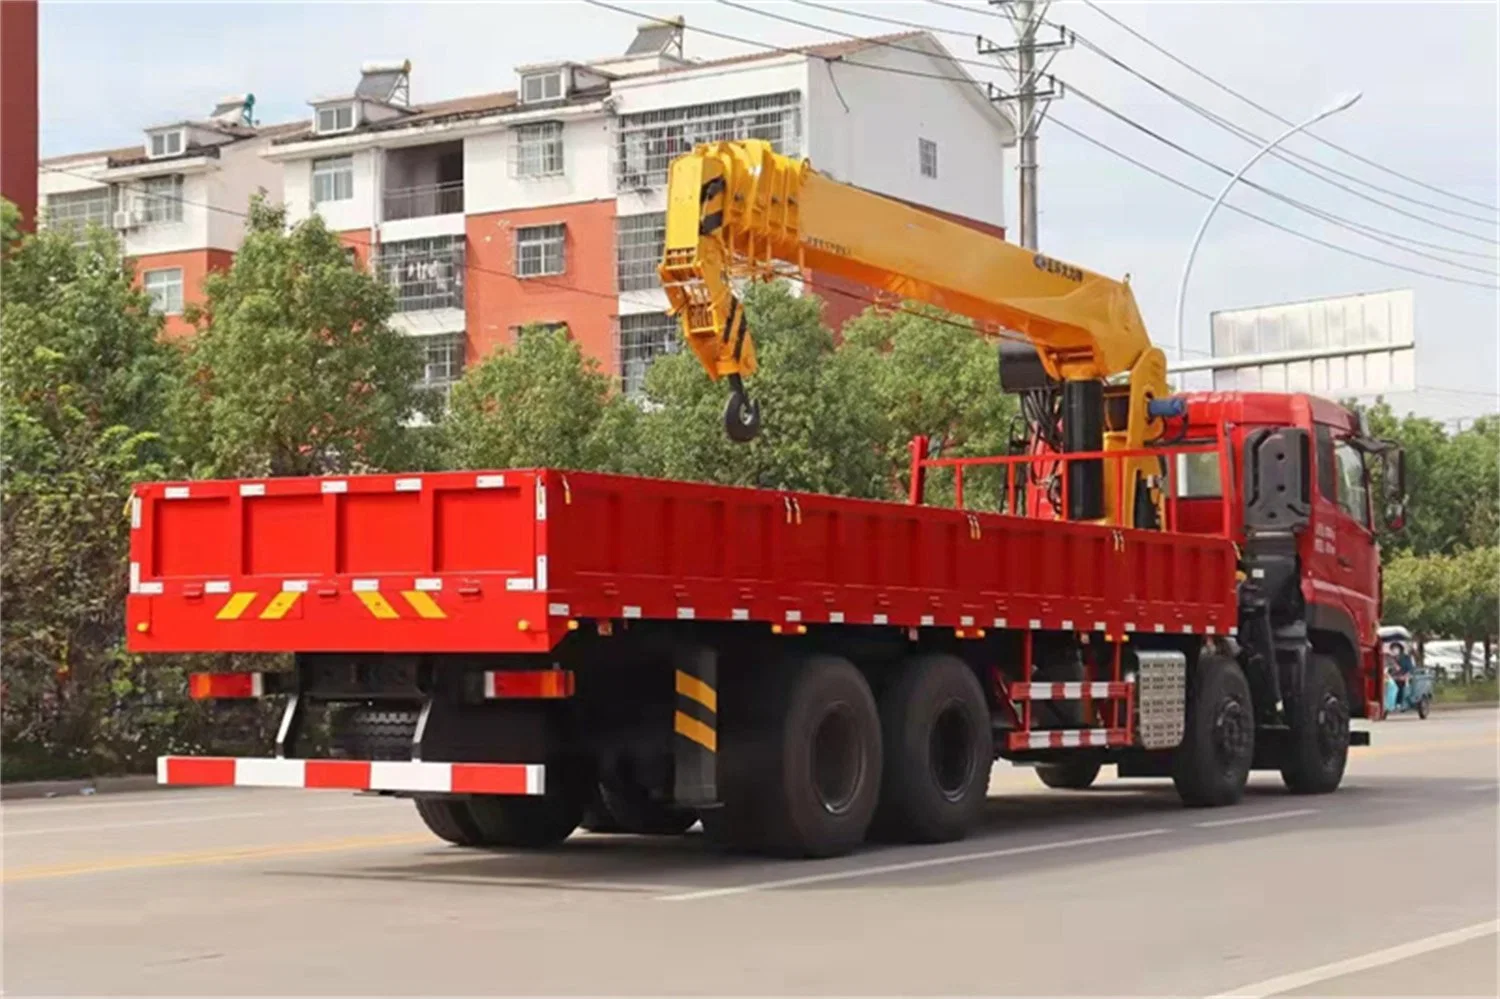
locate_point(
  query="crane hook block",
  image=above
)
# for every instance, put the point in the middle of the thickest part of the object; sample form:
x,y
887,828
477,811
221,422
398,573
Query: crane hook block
x,y
741,413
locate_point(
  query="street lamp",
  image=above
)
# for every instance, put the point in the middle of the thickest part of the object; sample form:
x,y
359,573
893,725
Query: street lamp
x,y
1341,104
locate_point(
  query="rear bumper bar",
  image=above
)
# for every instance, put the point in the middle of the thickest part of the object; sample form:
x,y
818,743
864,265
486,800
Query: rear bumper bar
x,y
353,775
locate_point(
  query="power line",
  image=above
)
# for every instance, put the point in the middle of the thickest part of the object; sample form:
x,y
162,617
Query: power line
x,y
1096,8
1355,227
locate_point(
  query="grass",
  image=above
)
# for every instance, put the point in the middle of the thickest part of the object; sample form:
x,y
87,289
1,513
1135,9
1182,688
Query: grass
x,y
1478,692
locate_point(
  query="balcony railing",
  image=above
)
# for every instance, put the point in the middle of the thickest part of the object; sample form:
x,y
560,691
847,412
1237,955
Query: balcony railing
x,y
424,273
426,199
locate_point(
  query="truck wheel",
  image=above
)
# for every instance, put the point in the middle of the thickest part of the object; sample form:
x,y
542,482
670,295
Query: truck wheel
x,y
818,782
1318,744
1212,764
450,819
627,809
1069,775
525,822
362,732
937,745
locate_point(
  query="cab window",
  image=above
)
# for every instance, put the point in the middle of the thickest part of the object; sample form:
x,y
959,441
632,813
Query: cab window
x,y
1327,464
1353,491
1197,476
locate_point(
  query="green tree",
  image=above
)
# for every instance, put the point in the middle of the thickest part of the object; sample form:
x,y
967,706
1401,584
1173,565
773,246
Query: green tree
x,y
822,424
295,369
540,403
84,387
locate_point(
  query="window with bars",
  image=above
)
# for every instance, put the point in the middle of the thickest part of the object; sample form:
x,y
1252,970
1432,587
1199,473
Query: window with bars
x,y
643,338
165,288
77,210
161,200
424,273
538,150
444,355
639,241
539,250
647,142
927,154
332,179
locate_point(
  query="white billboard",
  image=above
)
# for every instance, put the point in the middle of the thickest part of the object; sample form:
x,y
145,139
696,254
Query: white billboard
x,y
1350,345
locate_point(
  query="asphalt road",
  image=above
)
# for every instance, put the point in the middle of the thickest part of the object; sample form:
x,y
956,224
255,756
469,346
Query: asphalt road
x,y
1387,887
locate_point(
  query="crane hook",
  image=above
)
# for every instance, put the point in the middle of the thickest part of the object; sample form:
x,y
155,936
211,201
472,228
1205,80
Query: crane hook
x,y
741,413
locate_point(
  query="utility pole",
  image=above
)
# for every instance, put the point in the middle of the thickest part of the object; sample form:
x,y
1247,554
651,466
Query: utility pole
x,y
1030,102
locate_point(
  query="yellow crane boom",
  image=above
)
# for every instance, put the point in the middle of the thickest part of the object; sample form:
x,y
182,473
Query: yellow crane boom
x,y
739,209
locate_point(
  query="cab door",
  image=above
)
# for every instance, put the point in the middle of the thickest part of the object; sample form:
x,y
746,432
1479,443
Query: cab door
x,y
1347,562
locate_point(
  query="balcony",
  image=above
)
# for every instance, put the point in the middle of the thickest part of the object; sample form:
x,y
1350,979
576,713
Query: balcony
x,y
422,181
425,274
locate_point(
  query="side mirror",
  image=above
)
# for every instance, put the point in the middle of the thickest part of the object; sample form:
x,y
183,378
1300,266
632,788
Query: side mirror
x,y
1395,487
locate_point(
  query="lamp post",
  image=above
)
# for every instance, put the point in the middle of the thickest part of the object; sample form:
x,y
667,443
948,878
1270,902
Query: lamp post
x,y
1341,104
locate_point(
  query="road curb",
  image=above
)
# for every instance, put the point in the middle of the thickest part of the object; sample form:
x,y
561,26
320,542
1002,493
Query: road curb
x,y
22,790
1466,706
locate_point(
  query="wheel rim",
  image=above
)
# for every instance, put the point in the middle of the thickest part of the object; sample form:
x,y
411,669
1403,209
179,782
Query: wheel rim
x,y
1332,726
838,759
1232,734
950,751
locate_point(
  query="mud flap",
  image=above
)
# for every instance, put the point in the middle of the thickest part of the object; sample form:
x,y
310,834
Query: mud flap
x,y
695,723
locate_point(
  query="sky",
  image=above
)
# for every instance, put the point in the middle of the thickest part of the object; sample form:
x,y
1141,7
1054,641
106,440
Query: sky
x,y
1427,73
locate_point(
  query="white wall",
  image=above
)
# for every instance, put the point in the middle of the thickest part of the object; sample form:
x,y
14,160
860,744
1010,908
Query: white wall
x,y
357,212
688,87
243,171
588,161
175,237
873,144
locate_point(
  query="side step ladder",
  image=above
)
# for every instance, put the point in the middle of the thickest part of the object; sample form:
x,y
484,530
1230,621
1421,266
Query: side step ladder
x,y
1115,695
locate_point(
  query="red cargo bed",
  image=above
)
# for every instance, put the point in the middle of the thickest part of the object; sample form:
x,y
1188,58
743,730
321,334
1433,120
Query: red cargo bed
x,y
504,561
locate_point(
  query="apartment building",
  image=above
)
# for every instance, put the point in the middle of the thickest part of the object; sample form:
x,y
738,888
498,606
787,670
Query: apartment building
x,y
544,204
177,201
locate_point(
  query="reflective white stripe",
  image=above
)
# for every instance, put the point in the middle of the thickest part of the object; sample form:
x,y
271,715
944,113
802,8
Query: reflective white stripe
x,y
926,620
135,577
1233,630
630,611
1129,625
794,615
1035,624
334,486
1067,624
216,586
489,684
520,583
294,586
541,572
966,621
151,588
999,622
1161,628
1071,738
558,610
489,482
176,492
135,513
1210,630
1098,625
541,500
429,585
161,770
835,617
269,772
1187,629
685,613
536,779
393,775
252,488
366,585
739,614
881,619
257,684
408,485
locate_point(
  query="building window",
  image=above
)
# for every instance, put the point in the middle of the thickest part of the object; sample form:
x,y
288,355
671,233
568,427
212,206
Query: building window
x,y
539,149
336,118
546,86
161,200
539,250
332,179
444,355
649,141
166,143
516,331
165,288
424,273
77,210
639,241
927,153
643,338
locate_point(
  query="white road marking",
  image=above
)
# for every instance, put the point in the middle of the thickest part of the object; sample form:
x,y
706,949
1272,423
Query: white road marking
x,y
1244,820
911,865
153,798
215,817
1374,959
1483,787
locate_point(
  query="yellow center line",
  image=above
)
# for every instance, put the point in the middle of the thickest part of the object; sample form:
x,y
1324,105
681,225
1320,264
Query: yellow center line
x,y
203,857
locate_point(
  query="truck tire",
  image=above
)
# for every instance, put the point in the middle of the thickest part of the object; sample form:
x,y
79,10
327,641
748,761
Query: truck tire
x,y
1318,743
627,809
1069,775
819,752
937,748
523,822
449,818
362,732
1212,764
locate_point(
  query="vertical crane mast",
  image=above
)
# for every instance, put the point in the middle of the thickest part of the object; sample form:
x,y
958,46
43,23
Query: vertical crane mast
x,y
740,210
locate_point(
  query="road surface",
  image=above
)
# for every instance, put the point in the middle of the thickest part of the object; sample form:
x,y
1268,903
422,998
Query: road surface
x,y
1387,887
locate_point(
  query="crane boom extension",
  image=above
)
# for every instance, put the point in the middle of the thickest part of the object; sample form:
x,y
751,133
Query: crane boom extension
x,y
738,209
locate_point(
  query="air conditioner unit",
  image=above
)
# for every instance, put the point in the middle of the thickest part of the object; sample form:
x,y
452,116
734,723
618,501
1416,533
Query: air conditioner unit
x,y
125,219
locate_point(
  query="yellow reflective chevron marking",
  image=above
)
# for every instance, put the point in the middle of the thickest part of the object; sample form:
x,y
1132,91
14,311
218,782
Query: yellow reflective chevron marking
x,y
378,605
280,604
423,604
700,733
235,606
691,687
